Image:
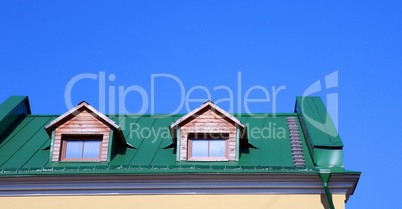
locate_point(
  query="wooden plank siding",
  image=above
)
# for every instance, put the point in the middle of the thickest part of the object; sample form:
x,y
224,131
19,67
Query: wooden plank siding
x,y
83,123
208,122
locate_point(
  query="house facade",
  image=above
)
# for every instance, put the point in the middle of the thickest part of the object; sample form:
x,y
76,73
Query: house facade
x,y
207,158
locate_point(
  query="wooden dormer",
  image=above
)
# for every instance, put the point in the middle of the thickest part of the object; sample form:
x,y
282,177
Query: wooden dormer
x,y
208,133
84,134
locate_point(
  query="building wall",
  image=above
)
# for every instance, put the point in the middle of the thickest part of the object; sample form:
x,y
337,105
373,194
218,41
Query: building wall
x,y
309,201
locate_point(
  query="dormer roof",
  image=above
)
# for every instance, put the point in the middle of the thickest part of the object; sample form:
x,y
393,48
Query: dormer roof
x,y
83,106
207,105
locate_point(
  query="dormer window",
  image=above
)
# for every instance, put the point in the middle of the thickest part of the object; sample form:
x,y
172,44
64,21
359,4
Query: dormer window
x,y
84,134
208,133
208,147
81,147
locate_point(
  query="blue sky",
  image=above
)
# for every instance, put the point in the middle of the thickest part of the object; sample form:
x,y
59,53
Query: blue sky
x,y
207,44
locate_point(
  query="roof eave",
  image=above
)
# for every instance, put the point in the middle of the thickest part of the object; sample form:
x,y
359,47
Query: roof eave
x,y
82,105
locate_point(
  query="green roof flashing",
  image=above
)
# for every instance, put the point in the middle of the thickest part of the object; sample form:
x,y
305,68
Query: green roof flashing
x,y
154,169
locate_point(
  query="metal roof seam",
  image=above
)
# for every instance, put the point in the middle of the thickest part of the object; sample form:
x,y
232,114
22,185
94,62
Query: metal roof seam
x,y
22,145
143,139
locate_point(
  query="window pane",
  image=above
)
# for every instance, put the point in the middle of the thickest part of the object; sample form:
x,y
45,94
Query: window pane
x,y
200,148
217,148
91,149
74,149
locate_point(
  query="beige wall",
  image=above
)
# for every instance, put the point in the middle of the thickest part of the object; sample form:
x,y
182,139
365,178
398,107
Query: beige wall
x,y
173,201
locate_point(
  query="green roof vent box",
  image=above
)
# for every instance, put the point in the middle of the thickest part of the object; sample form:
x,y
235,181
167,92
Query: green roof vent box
x,y
11,111
84,134
323,139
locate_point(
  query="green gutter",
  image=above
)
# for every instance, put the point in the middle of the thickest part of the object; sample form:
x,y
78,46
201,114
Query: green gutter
x,y
325,178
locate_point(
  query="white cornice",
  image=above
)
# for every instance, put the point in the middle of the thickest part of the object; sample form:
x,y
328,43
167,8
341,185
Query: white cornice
x,y
174,184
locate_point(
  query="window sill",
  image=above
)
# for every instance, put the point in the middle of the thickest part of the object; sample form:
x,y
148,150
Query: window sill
x,y
208,159
80,160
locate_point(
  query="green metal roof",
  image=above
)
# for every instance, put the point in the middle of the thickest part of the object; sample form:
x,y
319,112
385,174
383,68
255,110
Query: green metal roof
x,y
24,146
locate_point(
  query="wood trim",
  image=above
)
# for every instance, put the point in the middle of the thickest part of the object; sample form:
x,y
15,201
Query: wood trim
x,y
208,159
208,123
208,104
84,124
237,143
76,111
178,145
81,133
81,160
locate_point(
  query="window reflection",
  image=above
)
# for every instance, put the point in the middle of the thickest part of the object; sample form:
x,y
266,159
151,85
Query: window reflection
x,y
208,148
82,149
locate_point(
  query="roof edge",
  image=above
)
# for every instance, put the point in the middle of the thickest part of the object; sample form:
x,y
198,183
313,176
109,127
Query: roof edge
x,y
210,104
79,108
82,105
